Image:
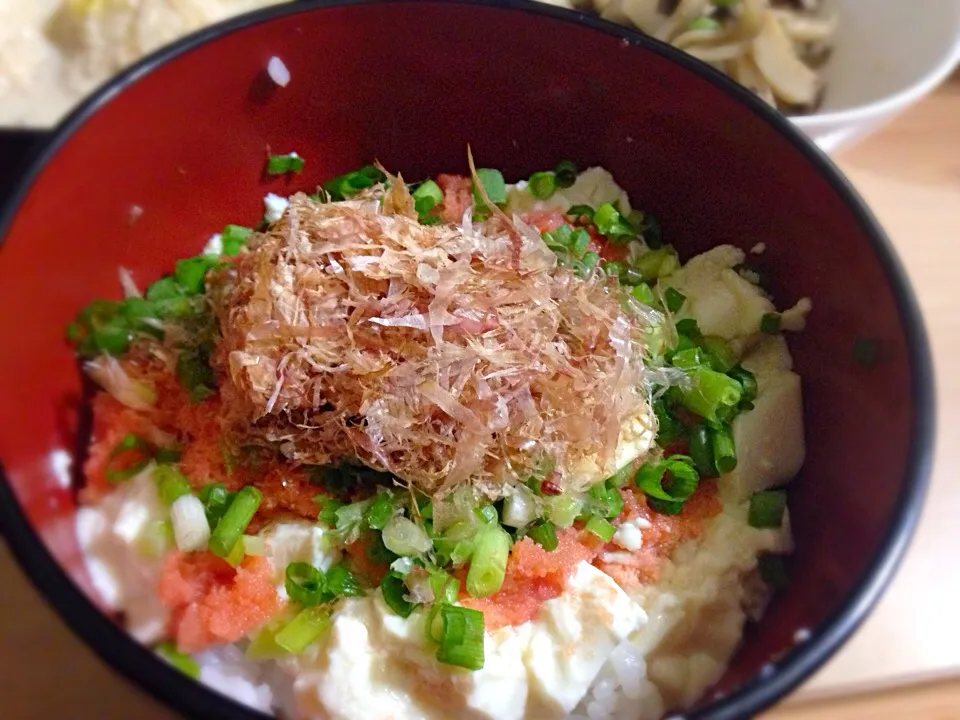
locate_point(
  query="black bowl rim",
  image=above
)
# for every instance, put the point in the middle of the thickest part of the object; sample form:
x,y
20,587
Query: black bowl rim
x,y
141,666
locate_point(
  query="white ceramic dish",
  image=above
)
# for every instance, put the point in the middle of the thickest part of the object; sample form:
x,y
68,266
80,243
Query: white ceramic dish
x,y
887,55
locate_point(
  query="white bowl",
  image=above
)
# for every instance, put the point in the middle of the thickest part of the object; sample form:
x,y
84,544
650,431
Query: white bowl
x,y
887,54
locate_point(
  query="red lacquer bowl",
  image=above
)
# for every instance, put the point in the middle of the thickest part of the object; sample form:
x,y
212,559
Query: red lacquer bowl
x,y
182,136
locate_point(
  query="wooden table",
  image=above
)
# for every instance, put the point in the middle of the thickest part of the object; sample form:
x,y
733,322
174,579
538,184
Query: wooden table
x,y
910,175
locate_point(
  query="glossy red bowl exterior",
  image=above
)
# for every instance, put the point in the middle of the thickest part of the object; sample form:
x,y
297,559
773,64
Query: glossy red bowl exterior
x,y
183,135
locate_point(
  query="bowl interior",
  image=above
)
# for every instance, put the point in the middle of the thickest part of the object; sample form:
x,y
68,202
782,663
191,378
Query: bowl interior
x,y
411,84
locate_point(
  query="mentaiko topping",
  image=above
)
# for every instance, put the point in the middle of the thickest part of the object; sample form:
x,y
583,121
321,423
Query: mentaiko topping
x,y
443,354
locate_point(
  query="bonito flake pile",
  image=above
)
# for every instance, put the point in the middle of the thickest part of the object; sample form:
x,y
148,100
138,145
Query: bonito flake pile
x,y
443,354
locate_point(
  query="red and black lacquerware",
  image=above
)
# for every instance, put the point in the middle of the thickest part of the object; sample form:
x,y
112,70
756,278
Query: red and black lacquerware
x,y
183,134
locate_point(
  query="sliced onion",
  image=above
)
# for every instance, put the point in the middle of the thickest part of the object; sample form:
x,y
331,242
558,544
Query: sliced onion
x,y
191,531
404,537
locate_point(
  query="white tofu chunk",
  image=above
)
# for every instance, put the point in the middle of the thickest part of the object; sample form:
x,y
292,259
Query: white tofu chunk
x,y
723,303
769,438
123,562
573,638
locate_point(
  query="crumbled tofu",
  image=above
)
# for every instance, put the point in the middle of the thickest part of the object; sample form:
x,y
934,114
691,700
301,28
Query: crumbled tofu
x,y
628,536
111,534
573,637
275,206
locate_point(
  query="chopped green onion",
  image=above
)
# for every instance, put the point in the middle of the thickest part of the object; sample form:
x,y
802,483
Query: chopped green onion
x,y
190,273
665,507
520,508
649,228
166,288
461,637
682,483
748,382
579,240
236,555
181,661
600,527
494,185
703,23
282,164
542,185
216,499
254,545
866,351
612,225
644,293
349,184
710,392
767,508
544,533
489,514
350,518
264,646
722,357
688,328
773,570
488,563
304,629
581,211
445,587
674,299
304,584
404,537
669,427
167,456
328,509
631,276
770,323
426,197
658,263
381,510
607,500
613,268
724,450
565,174
701,450
171,484
687,359
585,265
235,520
129,443
343,583
621,477
393,590
377,552
562,510
155,539
233,238
195,374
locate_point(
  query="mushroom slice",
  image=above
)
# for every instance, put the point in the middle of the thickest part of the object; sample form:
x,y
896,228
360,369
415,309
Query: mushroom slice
x,y
791,81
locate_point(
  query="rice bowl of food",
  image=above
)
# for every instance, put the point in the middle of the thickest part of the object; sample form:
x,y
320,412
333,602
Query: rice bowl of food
x,y
494,422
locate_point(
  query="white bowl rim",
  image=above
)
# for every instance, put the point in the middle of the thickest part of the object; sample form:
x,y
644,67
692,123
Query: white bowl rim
x,y
889,103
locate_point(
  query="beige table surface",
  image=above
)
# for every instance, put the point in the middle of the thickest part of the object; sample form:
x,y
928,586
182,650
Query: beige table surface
x,y
910,175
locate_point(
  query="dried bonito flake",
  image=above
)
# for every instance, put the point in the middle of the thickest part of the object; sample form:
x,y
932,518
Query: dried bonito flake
x,y
444,354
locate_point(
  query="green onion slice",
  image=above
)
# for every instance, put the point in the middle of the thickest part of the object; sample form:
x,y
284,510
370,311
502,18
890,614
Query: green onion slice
x,y
216,499
304,584
394,589
724,449
773,570
304,629
233,238
674,299
181,661
542,185
171,484
701,451
461,637
235,520
488,562
343,583
426,197
682,483
381,510
544,533
767,508
607,500
494,185
581,211
770,323
611,224
282,164
600,527
565,174
118,471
